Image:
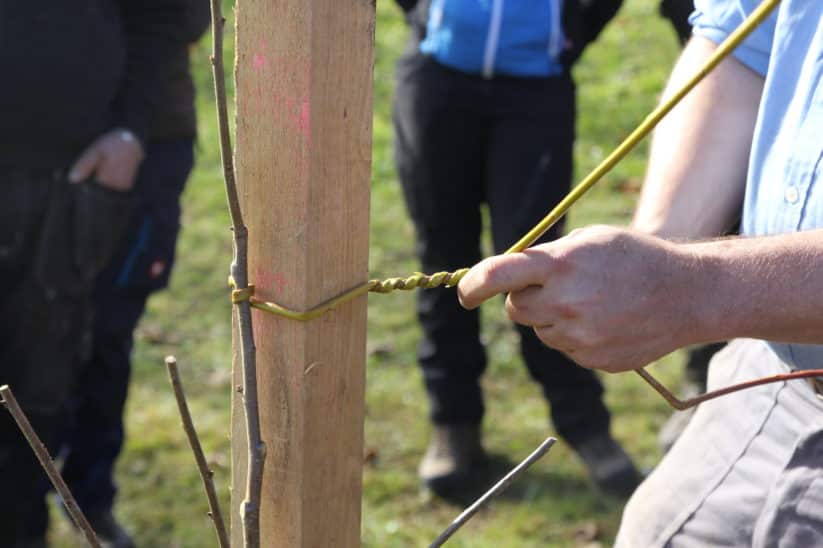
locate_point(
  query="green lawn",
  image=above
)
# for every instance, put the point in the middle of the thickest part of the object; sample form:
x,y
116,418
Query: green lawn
x,y
161,498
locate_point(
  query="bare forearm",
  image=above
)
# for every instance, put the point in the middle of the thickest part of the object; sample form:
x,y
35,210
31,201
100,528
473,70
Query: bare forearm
x,y
697,167
765,288
617,299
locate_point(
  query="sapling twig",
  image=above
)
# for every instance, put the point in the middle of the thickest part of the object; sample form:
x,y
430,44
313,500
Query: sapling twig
x,y
48,466
194,441
256,449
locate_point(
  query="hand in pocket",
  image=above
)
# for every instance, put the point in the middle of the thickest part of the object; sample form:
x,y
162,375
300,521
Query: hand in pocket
x,y
112,160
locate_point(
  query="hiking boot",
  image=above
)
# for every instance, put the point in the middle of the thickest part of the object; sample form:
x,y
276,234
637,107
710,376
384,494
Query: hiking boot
x,y
609,466
454,456
109,531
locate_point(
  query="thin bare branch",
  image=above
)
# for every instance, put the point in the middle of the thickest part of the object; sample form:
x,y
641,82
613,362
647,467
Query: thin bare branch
x,y
48,466
250,509
498,488
194,441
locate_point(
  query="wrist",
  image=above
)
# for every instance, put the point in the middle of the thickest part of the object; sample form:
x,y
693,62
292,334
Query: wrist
x,y
714,286
126,135
130,139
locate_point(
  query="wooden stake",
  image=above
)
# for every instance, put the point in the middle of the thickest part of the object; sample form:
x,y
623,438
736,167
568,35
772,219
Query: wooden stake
x,y
304,111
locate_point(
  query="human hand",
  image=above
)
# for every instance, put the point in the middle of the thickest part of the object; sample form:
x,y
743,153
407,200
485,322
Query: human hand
x,y
609,298
113,159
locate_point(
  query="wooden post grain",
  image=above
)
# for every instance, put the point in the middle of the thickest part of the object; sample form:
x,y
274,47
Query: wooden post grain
x,y
303,155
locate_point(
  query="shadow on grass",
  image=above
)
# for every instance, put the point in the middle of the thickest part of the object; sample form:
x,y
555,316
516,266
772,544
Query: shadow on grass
x,y
535,486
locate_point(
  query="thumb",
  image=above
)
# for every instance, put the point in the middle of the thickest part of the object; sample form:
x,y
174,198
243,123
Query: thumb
x,y
85,165
502,274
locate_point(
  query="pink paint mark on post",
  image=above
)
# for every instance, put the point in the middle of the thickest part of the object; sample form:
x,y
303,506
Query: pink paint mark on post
x,y
280,282
292,101
258,62
292,107
296,113
270,283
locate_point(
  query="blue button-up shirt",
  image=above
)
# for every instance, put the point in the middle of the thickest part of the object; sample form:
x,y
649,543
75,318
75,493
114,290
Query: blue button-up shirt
x,y
784,190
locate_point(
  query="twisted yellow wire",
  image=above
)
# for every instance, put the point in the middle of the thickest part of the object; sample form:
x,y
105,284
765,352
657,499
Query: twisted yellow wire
x,y
451,279
418,280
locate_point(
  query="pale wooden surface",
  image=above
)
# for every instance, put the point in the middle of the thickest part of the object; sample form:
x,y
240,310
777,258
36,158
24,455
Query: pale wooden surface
x,y
304,111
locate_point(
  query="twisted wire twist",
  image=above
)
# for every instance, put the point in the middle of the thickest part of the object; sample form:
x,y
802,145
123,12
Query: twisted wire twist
x,y
418,280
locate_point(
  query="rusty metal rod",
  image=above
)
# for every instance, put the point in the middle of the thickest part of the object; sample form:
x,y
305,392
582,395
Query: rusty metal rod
x,y
680,405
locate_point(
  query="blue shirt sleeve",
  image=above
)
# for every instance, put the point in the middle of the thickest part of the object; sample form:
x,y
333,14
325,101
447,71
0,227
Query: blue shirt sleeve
x,y
716,19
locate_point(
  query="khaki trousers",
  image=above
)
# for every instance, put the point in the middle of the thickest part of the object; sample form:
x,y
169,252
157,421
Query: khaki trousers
x,y
747,471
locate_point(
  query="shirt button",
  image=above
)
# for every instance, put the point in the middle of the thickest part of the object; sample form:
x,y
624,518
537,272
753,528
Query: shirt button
x,y
791,194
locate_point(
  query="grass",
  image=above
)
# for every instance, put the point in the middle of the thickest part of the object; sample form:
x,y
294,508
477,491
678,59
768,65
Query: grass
x,y
161,500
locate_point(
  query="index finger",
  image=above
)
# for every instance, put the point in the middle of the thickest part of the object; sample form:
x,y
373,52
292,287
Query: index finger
x,y
85,165
502,274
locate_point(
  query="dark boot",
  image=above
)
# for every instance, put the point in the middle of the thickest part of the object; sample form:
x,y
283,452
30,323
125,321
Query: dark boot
x,y
611,469
109,531
454,457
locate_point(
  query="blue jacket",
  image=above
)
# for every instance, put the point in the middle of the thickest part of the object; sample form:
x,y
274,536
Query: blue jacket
x,y
488,37
527,38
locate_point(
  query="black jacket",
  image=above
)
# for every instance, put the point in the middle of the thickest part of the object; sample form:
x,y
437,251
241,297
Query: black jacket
x,y
583,20
173,115
74,69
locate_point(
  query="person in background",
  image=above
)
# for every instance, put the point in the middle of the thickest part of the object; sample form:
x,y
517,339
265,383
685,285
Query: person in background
x,y
80,79
748,469
93,437
484,113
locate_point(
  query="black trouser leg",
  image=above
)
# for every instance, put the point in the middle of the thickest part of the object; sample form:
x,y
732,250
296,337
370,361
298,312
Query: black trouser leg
x,y
574,393
57,239
90,435
438,150
54,237
529,172
39,331
20,472
91,441
96,435
697,363
460,141
140,266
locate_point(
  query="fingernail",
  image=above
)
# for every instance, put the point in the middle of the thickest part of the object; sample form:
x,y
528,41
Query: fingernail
x,y
74,177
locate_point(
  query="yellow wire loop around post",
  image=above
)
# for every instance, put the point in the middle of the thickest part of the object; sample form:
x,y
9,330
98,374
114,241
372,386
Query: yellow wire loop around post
x,y
451,279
